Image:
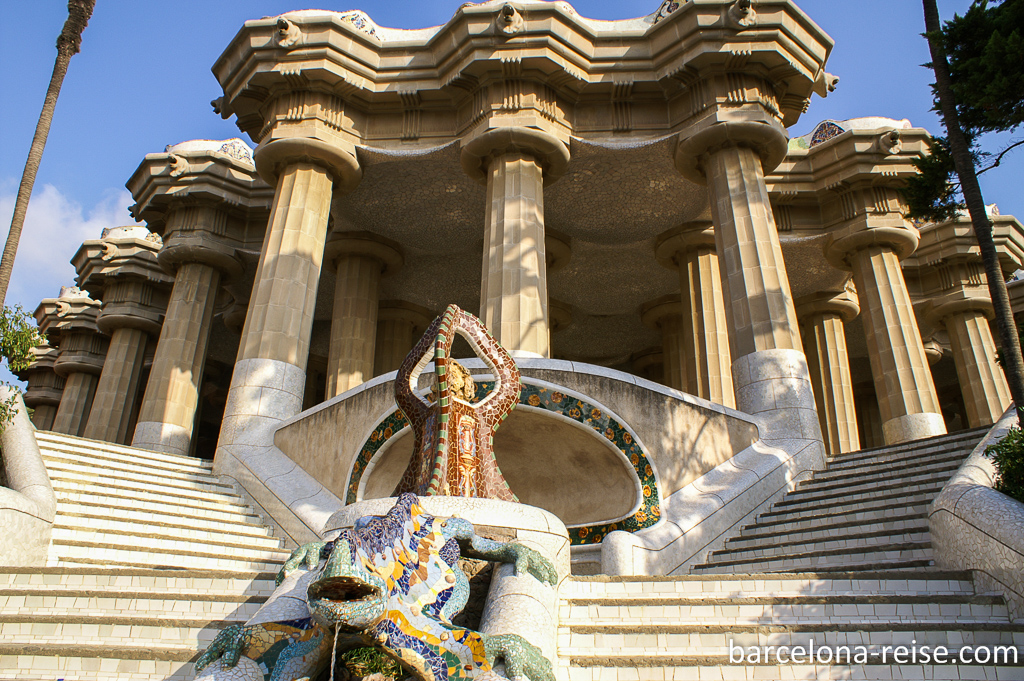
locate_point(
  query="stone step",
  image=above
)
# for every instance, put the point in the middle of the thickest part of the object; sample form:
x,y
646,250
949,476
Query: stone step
x,y
136,541
937,582
888,556
850,541
908,461
964,438
170,584
116,467
50,440
781,610
93,502
183,503
840,480
902,525
88,527
76,480
891,505
67,604
910,484
89,553
72,513
827,523
87,663
656,667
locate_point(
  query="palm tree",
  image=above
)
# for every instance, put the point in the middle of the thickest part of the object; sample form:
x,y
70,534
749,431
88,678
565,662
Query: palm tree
x,y
79,12
960,150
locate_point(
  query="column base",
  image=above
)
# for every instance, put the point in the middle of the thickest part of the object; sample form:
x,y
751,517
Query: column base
x,y
776,386
515,605
913,427
162,437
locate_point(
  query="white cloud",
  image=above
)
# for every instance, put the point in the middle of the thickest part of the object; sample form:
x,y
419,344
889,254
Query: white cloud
x,y
54,229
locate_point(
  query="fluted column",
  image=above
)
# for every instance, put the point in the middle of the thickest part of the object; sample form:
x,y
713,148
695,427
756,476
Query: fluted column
x,y
398,327
769,368
824,317
360,259
70,322
515,164
268,381
690,249
986,395
907,401
172,393
665,314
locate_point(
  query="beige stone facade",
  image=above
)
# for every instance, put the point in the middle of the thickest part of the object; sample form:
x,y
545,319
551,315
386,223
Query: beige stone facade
x,y
621,196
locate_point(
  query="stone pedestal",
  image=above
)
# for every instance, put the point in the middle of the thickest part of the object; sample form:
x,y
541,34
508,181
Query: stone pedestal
x,y
690,249
360,259
907,400
769,368
399,325
515,164
515,604
824,317
666,314
986,395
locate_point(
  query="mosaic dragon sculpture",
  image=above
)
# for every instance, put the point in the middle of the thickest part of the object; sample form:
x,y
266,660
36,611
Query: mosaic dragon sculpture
x,y
392,582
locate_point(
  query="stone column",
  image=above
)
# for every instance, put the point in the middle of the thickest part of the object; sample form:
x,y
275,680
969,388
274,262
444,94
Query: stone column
x,y
399,325
360,259
824,317
268,381
769,368
690,249
45,387
906,394
665,314
986,395
122,269
515,163
70,322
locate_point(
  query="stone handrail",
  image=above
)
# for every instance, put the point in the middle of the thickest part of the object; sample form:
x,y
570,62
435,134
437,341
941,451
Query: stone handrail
x,y
976,528
27,504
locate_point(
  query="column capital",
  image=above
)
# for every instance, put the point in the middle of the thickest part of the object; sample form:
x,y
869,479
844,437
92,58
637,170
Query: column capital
x,y
766,137
938,309
403,311
655,312
844,243
338,157
549,151
557,249
71,312
365,244
843,304
559,314
679,240
44,387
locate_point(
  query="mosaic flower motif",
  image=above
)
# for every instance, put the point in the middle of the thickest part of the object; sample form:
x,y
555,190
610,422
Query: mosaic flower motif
x,y
595,413
533,400
634,459
557,397
610,434
627,438
647,491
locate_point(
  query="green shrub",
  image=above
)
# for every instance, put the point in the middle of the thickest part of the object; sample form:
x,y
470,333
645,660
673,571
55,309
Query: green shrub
x,y
18,335
366,661
1008,457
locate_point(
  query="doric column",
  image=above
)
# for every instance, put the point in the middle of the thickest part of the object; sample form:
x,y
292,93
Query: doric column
x,y
44,388
515,163
965,317
268,381
122,270
769,368
69,321
907,400
359,259
399,326
824,318
200,195
690,249
666,314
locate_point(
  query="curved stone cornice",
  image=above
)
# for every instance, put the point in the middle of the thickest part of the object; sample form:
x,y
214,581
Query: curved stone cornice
x,y
938,309
767,138
426,72
955,240
545,148
365,244
337,158
843,243
843,303
685,237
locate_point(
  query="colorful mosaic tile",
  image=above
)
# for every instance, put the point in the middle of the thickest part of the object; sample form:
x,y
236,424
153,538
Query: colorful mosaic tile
x,y
543,397
667,8
825,131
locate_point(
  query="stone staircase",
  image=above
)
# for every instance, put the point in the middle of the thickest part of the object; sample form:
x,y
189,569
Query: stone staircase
x,y
843,560
151,556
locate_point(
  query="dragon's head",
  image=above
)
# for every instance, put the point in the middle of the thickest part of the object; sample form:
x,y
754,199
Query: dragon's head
x,y
345,596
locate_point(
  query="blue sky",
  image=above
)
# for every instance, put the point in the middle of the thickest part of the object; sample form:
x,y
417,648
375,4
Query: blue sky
x,y
143,81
